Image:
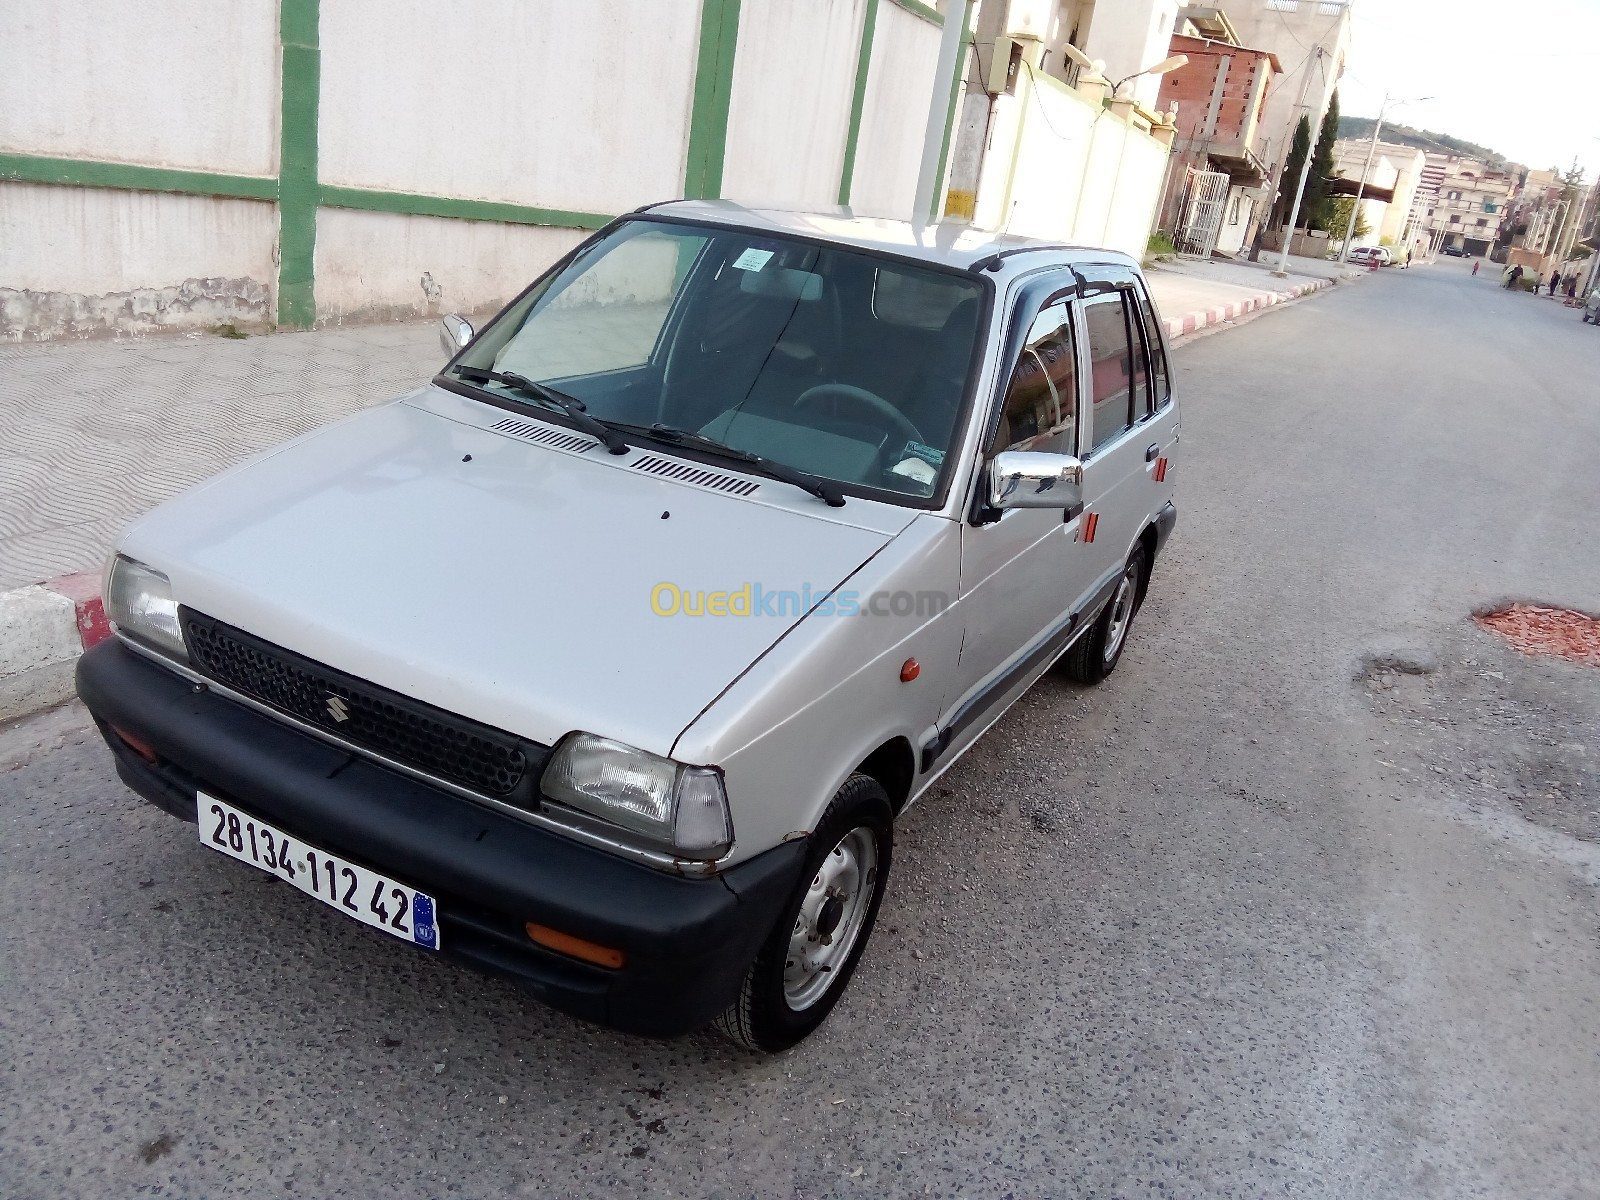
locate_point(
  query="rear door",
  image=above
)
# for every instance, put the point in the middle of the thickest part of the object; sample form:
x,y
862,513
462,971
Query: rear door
x,y
1130,421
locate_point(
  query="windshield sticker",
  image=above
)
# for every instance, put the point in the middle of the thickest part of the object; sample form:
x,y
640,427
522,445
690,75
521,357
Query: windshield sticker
x,y
752,259
927,454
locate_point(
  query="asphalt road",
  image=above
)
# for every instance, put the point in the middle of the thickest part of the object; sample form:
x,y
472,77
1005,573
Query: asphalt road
x,y
1302,902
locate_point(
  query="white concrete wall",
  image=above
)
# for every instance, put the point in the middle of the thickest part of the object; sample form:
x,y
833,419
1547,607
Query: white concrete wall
x,y
558,105
1070,172
905,53
81,261
178,83
371,265
789,115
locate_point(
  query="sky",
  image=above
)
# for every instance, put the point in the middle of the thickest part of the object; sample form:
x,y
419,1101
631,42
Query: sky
x,y
1522,78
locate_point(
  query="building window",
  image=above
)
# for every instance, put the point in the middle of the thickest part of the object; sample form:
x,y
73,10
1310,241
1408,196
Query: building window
x,y
1233,209
1482,221
1453,196
1455,219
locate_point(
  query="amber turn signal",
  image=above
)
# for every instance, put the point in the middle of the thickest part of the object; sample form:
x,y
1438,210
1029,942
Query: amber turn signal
x,y
565,943
137,745
909,670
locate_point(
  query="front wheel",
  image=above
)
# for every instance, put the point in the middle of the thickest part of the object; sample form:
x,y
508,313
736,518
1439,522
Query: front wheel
x,y
1096,654
805,963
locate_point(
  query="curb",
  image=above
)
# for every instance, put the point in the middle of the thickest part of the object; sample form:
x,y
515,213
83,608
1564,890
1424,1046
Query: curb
x,y
1193,321
44,627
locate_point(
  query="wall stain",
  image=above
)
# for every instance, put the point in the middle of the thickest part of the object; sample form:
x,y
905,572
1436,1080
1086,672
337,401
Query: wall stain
x,y
27,315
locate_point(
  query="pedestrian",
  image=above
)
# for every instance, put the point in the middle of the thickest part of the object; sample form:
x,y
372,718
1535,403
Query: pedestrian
x,y
1555,281
1572,291
1475,264
1513,275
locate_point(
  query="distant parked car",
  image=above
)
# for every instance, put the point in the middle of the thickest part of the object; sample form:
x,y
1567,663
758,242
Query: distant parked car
x,y
1456,252
1591,310
1372,256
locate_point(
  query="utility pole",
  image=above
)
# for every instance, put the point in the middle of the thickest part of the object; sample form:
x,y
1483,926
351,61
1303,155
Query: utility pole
x,y
1300,191
1355,209
1283,160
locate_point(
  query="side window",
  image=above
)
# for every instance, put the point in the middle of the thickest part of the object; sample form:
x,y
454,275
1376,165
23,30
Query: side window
x,y
1111,366
1041,403
1160,376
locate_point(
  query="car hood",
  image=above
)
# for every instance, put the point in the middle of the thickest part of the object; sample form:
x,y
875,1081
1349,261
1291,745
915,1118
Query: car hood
x,y
416,547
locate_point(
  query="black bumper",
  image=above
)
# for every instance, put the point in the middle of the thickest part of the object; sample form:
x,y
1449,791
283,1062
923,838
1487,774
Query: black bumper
x,y
1166,519
688,941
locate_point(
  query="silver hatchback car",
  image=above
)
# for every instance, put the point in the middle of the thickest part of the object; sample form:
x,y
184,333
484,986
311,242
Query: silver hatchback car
x,y
608,660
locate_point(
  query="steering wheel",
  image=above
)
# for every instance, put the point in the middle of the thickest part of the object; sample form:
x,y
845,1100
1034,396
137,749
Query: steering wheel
x,y
861,398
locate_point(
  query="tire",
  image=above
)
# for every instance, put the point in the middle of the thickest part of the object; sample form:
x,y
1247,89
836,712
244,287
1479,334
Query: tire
x,y
778,1007
1097,653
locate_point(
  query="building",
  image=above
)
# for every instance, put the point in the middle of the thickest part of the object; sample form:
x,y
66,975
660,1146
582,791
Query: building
x,y
1466,204
1217,100
1389,196
1311,40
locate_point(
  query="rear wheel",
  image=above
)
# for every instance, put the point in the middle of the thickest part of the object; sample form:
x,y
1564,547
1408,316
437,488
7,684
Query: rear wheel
x,y
807,960
1096,654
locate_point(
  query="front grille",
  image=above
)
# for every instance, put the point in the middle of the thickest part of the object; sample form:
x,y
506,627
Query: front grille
x,y
428,739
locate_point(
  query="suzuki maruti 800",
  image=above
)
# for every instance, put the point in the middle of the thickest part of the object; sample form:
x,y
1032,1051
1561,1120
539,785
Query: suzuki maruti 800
x,y
608,660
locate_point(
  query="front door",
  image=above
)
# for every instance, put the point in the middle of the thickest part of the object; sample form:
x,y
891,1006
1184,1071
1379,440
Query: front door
x,y
1016,576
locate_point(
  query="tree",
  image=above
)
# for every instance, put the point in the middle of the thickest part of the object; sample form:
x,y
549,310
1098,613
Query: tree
x,y
1339,217
1314,212
1290,179
1316,209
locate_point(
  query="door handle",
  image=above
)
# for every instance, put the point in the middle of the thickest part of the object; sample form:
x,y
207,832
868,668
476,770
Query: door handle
x,y
1152,452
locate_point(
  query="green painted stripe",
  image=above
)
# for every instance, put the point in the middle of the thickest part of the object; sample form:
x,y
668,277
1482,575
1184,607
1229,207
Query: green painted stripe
x,y
445,206
926,11
34,168
956,78
869,24
713,87
297,163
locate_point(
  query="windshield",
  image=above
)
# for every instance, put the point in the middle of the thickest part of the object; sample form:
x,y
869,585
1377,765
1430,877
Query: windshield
x,y
838,363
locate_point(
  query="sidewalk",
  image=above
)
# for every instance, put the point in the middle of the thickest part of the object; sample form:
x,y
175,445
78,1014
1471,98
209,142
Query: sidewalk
x,y
1194,294
98,432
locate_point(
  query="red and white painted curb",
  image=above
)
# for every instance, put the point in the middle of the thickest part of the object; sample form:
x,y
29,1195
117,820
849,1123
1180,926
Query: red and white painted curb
x,y
43,630
1203,319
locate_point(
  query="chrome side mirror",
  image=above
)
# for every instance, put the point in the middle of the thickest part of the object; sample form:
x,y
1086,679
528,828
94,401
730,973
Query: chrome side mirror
x,y
455,331
1031,479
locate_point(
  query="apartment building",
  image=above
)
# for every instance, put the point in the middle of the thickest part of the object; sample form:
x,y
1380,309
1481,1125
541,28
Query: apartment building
x,y
1469,204
1217,101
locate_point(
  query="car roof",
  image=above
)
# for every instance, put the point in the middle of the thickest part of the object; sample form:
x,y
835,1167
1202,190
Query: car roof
x,y
947,243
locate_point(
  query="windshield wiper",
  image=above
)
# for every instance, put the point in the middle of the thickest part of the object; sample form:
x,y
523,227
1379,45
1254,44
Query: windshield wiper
x,y
821,488
574,409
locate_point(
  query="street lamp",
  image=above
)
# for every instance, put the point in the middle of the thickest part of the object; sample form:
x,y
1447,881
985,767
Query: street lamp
x,y
1164,67
1372,150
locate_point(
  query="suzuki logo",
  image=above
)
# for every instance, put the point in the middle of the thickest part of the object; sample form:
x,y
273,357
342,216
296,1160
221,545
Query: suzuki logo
x,y
337,708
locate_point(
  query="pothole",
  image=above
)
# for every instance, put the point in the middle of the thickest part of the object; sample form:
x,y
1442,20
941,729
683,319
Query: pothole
x,y
1535,629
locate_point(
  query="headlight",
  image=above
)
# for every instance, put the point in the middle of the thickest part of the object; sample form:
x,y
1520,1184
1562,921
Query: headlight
x,y
140,604
684,808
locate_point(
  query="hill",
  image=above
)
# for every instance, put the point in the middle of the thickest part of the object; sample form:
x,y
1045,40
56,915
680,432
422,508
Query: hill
x,y
1422,139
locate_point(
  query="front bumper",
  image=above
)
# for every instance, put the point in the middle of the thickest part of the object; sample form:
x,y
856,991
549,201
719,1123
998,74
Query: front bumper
x,y
688,942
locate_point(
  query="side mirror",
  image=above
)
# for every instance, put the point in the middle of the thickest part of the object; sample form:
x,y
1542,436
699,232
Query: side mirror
x,y
1030,479
455,331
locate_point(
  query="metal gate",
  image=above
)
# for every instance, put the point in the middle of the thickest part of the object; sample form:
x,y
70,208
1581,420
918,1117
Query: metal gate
x,y
1205,196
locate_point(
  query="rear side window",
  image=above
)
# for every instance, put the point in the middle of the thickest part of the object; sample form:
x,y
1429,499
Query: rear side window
x,y
1160,377
1111,354
1041,405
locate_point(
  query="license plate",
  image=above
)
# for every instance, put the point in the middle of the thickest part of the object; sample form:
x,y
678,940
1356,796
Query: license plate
x,y
370,898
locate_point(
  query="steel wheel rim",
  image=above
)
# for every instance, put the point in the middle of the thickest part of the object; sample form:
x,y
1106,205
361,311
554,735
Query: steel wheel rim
x,y
1121,613
832,914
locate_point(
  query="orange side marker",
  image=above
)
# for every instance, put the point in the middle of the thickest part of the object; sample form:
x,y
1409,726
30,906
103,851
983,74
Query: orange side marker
x,y
1089,522
1161,470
